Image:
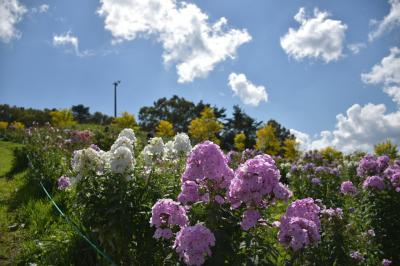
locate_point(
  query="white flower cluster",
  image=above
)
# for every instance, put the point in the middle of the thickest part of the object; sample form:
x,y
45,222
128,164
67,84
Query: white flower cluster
x,y
87,160
120,159
157,150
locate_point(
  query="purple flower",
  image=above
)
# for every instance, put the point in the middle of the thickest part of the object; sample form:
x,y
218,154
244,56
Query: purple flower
x,y
383,162
219,199
166,214
392,173
386,262
94,147
316,181
371,165
189,192
193,243
282,192
347,187
374,182
300,225
207,167
253,180
63,182
163,233
356,255
249,219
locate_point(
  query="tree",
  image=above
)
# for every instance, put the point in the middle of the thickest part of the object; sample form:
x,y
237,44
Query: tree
x,y
3,124
290,147
81,113
62,118
165,129
240,141
177,110
101,119
330,154
386,148
240,122
280,131
126,120
267,141
206,127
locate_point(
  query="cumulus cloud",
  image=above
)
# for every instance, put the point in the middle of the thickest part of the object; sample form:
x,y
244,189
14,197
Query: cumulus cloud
x,y
317,37
363,126
390,21
355,48
359,129
387,73
189,40
246,90
11,12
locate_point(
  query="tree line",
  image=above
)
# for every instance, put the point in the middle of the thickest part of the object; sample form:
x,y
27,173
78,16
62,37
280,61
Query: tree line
x,y
169,116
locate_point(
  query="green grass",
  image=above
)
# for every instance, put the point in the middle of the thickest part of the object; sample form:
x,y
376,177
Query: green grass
x,y
12,234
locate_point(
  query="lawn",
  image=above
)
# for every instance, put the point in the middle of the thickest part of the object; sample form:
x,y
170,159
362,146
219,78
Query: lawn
x,y
12,233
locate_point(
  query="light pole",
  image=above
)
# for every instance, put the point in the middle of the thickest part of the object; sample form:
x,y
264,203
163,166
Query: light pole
x,y
115,97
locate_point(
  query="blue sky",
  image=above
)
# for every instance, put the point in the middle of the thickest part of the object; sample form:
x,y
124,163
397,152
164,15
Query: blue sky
x,y
62,53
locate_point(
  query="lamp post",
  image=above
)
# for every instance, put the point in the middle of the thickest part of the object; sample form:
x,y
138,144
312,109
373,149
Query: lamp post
x,y
115,97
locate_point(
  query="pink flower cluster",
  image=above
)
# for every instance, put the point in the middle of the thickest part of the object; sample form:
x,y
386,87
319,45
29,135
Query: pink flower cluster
x,y
249,219
347,187
206,169
374,182
166,214
192,243
255,180
300,225
63,182
372,165
392,173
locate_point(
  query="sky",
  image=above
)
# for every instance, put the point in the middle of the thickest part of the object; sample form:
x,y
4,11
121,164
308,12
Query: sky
x,y
327,70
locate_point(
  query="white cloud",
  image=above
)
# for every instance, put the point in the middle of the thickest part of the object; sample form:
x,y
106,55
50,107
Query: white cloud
x,y
359,129
43,8
363,126
355,48
67,39
189,41
387,72
11,12
390,21
317,37
246,90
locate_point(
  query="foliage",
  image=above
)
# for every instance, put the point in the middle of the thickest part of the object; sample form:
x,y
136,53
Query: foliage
x,y
3,124
81,113
206,127
25,116
126,120
17,125
177,110
165,129
239,141
62,118
267,140
331,154
386,148
290,147
239,123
